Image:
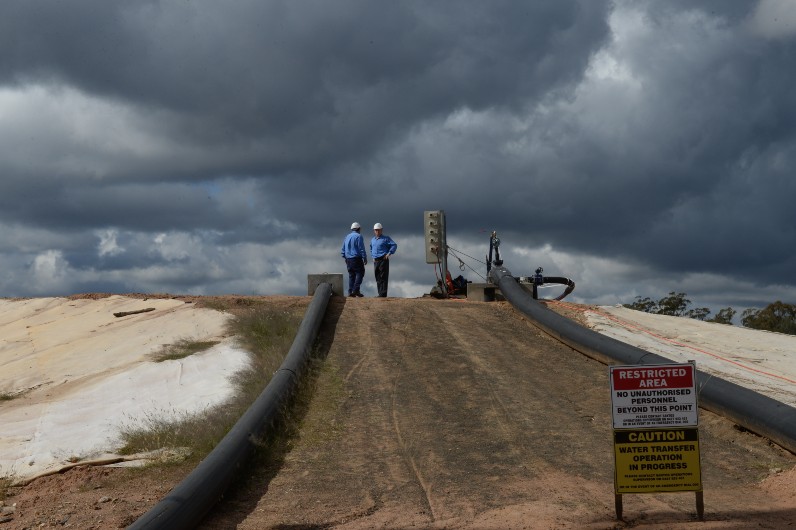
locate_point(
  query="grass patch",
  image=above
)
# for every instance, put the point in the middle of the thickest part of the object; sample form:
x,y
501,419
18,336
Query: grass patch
x,y
227,303
306,421
320,424
267,334
181,349
5,484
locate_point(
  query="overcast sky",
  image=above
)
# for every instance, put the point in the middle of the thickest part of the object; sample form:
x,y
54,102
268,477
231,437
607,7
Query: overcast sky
x,y
205,147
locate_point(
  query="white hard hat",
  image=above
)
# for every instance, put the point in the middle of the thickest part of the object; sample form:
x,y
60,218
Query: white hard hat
x,y
377,226
354,226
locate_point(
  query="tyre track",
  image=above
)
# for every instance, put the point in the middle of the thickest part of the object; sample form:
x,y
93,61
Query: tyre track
x,y
463,415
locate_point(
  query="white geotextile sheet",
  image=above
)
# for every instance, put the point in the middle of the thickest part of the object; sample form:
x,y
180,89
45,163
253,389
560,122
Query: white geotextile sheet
x,y
77,374
760,360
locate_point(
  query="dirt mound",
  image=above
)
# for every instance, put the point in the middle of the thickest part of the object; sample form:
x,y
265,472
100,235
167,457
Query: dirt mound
x,y
442,414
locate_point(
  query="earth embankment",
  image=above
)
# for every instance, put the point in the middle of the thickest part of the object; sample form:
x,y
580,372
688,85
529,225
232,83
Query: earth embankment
x,y
439,414
453,414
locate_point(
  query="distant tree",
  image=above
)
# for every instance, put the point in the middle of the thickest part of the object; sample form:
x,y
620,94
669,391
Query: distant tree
x,y
724,316
779,317
699,313
646,305
676,304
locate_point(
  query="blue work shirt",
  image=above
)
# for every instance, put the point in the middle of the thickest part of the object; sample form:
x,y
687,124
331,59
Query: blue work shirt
x,y
381,246
354,246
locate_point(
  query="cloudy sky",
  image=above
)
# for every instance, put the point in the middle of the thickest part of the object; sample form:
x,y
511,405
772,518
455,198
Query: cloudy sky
x,y
204,147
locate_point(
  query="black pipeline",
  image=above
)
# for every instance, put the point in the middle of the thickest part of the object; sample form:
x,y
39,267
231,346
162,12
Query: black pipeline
x,y
755,412
187,504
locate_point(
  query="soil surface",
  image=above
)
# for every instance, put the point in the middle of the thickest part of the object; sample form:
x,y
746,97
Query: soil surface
x,y
441,414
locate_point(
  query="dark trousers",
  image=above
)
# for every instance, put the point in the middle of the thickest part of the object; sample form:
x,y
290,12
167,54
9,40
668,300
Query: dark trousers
x,y
382,270
356,271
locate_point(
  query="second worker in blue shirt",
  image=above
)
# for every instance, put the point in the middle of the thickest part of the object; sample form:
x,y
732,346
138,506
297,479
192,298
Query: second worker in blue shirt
x,y
381,248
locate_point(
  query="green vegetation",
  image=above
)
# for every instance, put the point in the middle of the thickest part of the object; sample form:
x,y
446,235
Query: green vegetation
x,y
676,304
267,334
319,422
5,485
313,422
182,348
779,316
724,316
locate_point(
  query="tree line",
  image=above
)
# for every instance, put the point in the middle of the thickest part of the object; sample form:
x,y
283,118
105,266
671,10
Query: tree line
x,y
778,316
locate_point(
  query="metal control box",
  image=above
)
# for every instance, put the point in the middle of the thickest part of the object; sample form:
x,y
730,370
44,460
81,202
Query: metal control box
x,y
434,228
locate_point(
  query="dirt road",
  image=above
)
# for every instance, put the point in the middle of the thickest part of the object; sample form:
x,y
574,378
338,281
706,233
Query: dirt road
x,y
452,414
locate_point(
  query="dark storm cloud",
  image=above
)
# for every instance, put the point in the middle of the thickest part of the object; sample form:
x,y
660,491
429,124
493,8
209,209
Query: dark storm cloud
x,y
131,206
700,184
314,82
681,160
207,146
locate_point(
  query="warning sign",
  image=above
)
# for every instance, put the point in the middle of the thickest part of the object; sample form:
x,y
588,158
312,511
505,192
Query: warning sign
x,y
657,460
654,396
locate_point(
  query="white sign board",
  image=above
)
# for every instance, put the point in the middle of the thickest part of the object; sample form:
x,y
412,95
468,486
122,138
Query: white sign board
x,y
654,396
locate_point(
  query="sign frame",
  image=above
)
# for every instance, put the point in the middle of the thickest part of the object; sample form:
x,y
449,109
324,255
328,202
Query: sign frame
x,y
655,418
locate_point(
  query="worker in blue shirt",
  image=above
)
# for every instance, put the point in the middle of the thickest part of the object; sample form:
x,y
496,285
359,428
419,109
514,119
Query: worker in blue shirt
x,y
381,248
353,252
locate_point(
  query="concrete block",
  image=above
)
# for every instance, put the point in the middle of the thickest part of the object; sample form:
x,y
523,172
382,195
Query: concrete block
x,y
482,292
314,280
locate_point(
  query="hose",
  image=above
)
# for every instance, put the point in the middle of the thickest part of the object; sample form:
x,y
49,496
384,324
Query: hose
x,y
755,412
563,281
187,504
